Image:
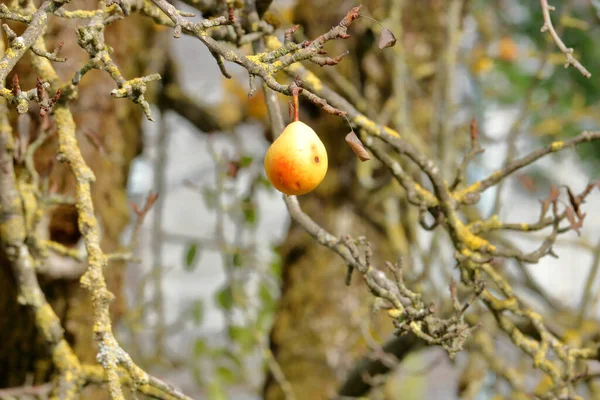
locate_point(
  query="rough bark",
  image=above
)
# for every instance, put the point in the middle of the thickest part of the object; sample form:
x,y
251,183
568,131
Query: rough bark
x,y
115,125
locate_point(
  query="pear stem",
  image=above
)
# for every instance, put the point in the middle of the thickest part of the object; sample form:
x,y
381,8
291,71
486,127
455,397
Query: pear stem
x,y
296,108
372,19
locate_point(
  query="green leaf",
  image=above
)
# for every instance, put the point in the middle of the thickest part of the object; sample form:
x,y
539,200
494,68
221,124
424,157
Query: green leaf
x,y
264,319
265,294
225,298
216,391
243,335
245,161
596,5
237,258
200,347
197,312
210,198
265,312
198,374
225,375
226,353
275,265
190,256
249,210
264,182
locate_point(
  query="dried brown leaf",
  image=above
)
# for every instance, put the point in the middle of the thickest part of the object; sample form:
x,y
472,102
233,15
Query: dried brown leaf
x,y
552,198
554,193
573,200
233,167
387,38
527,182
575,224
584,194
357,146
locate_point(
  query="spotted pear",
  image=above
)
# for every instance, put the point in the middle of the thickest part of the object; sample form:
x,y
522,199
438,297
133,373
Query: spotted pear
x,y
296,162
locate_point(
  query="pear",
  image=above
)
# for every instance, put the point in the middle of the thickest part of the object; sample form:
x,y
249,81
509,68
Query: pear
x,y
296,162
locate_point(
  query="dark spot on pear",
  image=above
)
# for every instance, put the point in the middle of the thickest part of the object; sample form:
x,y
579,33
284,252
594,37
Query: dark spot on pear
x,y
316,159
297,184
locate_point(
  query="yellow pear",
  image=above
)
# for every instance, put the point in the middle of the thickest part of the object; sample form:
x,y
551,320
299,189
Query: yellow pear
x,y
296,162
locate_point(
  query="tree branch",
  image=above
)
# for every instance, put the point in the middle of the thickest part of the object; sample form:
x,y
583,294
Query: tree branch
x,y
13,235
546,8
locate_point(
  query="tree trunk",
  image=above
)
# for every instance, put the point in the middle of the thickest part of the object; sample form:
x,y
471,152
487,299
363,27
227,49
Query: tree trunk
x,y
114,128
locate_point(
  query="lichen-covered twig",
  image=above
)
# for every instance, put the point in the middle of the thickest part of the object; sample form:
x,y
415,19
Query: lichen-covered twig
x,y
21,44
264,65
546,8
416,318
470,245
110,354
482,185
13,236
474,242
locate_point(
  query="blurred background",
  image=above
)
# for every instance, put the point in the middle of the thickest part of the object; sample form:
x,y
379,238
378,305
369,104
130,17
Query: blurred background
x,y
215,243
232,300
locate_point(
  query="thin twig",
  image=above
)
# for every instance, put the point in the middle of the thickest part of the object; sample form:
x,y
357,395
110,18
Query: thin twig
x,y
546,8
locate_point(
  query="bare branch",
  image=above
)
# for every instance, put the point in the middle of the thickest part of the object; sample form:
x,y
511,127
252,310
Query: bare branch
x,y
546,8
